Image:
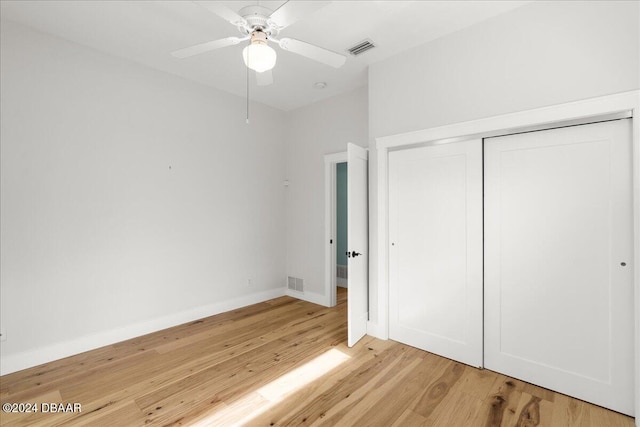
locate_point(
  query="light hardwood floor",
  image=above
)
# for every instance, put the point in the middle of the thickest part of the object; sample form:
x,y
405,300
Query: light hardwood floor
x,y
282,362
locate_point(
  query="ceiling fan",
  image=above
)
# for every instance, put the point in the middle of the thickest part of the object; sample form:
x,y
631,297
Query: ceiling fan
x,y
260,25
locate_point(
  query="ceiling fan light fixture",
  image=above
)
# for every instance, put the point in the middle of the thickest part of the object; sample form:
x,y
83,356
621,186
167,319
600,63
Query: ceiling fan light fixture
x,y
258,56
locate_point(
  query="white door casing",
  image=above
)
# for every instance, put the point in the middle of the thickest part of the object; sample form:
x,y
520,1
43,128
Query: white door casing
x,y
435,252
358,238
558,260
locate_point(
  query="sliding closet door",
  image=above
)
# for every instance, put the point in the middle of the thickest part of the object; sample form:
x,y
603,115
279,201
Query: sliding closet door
x,y
558,261
435,253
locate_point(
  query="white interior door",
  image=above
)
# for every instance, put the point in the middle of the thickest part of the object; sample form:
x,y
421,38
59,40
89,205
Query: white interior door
x,y
558,252
358,241
435,253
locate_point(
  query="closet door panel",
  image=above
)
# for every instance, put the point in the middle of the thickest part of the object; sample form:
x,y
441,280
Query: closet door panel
x,y
558,250
435,230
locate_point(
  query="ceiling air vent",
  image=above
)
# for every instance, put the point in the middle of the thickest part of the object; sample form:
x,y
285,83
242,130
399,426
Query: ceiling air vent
x,y
361,47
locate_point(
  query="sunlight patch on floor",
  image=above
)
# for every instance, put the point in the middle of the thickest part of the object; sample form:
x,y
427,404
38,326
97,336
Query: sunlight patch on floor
x,y
241,412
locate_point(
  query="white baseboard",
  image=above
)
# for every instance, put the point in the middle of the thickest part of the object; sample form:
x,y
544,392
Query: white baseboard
x,y
28,359
309,296
342,282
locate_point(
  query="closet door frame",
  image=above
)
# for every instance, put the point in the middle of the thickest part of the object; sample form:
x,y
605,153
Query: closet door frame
x,y
626,104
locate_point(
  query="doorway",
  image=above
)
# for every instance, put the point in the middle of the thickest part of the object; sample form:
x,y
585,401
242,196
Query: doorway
x,y
357,160
342,267
334,277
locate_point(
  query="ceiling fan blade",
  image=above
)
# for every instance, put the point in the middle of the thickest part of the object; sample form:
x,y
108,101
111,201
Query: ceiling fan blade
x,y
206,47
265,78
223,12
292,11
313,52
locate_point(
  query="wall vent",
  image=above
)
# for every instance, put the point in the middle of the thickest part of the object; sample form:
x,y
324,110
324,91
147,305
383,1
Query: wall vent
x,y
342,271
361,47
295,284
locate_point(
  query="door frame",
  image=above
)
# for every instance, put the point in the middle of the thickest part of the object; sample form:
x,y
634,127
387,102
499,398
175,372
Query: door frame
x,y
330,162
577,112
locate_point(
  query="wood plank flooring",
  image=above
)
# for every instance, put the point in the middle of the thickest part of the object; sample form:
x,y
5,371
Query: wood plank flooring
x,y
282,362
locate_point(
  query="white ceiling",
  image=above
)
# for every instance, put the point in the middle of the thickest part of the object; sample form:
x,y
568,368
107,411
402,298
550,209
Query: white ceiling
x,y
148,31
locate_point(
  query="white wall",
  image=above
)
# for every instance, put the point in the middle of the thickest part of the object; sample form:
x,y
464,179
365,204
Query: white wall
x,y
313,131
131,199
544,53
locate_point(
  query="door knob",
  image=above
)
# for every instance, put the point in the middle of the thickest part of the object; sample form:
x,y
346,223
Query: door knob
x,y
355,254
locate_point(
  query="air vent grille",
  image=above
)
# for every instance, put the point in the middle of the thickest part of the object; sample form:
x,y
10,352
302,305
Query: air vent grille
x,y
295,284
342,271
361,47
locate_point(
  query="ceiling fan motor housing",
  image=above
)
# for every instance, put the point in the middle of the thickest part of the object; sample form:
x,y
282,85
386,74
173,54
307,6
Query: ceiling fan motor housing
x,y
257,18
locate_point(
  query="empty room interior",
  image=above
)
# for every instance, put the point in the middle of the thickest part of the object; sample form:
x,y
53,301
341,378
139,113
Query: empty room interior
x,y
341,213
